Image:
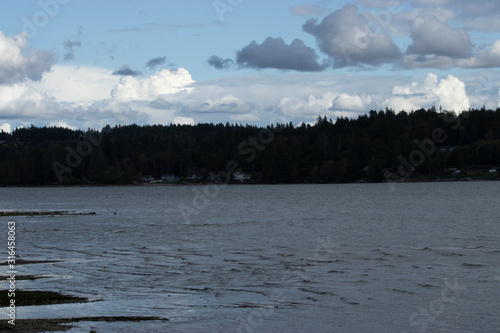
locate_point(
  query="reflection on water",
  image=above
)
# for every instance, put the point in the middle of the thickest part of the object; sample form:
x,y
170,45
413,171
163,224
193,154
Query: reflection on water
x,y
329,258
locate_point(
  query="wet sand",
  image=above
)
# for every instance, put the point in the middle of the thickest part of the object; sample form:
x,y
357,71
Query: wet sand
x,y
62,325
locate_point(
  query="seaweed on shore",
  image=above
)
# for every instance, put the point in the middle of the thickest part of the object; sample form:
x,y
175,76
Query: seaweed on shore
x,y
50,325
37,297
29,262
43,213
25,277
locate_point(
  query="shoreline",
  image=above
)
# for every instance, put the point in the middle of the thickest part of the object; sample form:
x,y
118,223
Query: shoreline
x,y
41,298
249,183
64,324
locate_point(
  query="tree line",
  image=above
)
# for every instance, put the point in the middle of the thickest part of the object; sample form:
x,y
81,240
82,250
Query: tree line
x,y
407,144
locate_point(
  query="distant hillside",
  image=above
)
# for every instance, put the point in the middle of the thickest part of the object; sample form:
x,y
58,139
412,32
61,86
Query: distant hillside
x,y
373,147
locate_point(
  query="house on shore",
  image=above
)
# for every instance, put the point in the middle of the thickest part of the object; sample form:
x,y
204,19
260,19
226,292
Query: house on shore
x,y
241,176
448,149
169,178
194,176
148,179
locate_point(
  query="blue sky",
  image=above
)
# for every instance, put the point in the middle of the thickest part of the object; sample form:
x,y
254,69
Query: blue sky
x,y
90,63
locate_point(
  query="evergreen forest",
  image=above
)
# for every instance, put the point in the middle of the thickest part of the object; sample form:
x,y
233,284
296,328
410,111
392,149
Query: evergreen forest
x,y
375,147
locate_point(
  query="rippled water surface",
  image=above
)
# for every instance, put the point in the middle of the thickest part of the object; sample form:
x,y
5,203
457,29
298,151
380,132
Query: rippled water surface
x,y
302,258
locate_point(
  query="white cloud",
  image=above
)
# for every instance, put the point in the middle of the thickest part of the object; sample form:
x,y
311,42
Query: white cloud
x,y
5,127
354,103
332,104
11,50
165,82
21,101
310,107
25,105
61,123
16,65
80,85
452,94
449,93
81,97
183,121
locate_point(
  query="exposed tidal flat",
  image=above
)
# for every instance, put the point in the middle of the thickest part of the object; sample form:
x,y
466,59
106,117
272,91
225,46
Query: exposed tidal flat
x,y
416,257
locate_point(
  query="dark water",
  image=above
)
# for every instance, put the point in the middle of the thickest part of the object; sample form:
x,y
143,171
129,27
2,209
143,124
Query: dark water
x,y
303,258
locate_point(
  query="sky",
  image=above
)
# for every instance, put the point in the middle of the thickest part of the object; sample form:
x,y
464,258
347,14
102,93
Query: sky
x,y
88,64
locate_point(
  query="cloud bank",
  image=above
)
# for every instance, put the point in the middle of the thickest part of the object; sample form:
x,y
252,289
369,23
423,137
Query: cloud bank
x,y
322,71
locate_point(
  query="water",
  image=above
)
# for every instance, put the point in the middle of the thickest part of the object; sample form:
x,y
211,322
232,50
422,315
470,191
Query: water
x,y
302,258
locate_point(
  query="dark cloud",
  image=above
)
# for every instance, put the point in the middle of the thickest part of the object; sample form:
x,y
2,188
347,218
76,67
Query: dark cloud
x,y
274,53
153,63
346,36
219,63
432,37
41,63
125,70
